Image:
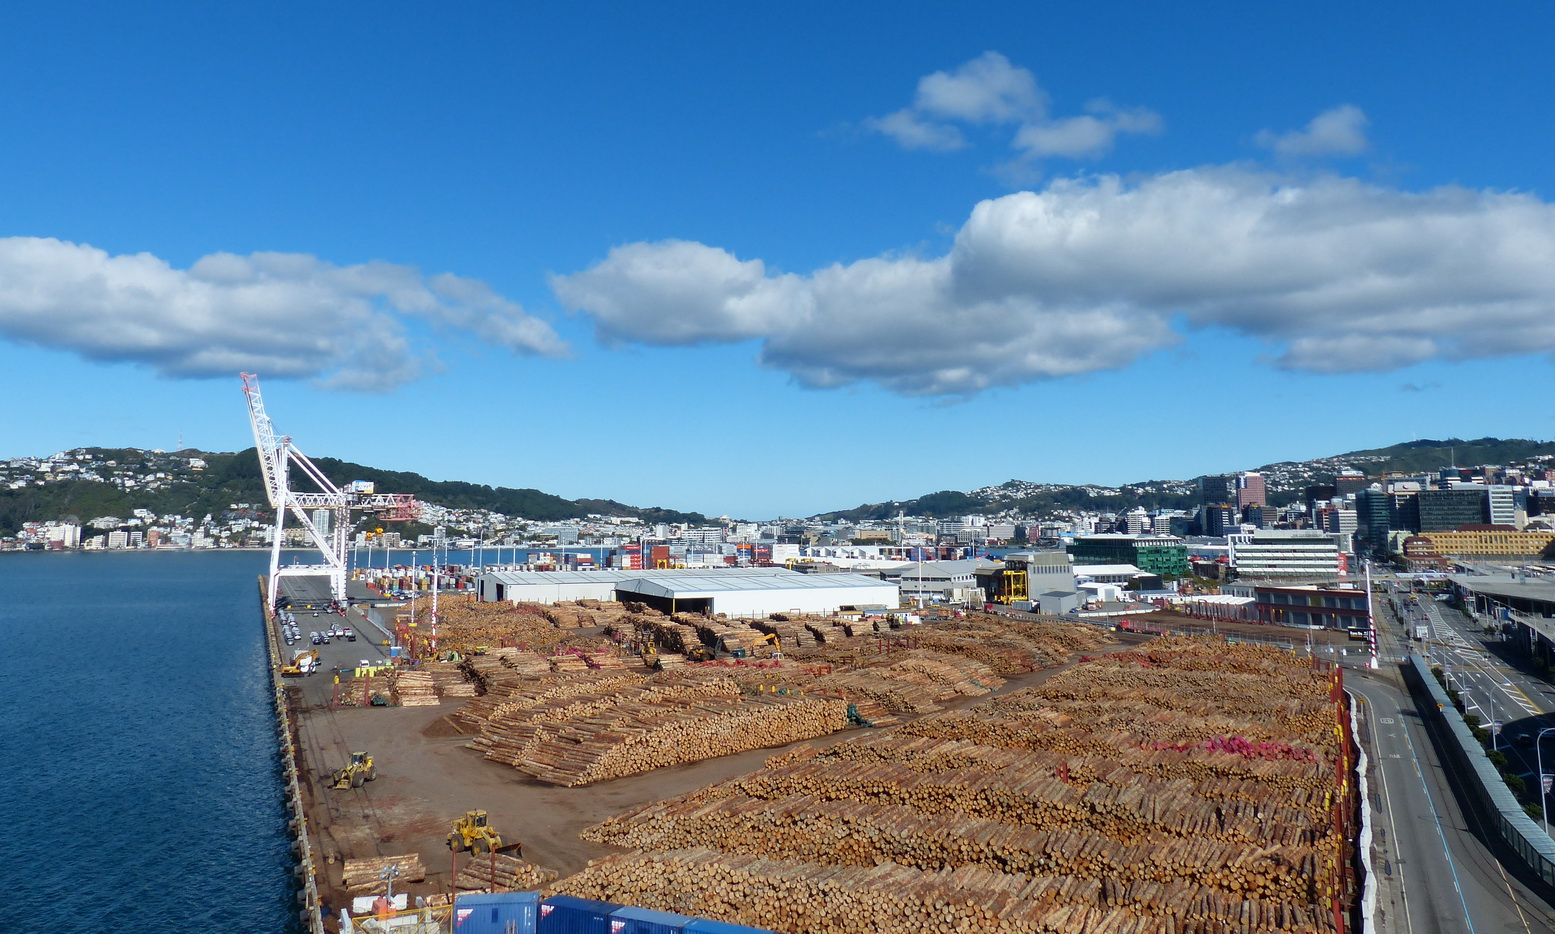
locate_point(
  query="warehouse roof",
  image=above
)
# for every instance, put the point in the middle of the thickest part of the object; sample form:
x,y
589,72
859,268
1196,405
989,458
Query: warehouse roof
x,y
616,575
1505,586
678,584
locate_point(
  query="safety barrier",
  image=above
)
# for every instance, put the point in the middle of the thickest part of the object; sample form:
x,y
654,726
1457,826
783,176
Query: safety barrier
x,y
1487,792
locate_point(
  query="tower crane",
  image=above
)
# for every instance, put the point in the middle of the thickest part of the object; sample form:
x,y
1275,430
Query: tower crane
x,y
277,455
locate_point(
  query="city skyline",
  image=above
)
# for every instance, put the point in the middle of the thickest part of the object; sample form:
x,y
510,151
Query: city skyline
x,y
708,259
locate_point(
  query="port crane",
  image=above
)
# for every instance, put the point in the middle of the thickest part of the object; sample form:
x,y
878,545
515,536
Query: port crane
x,y
277,455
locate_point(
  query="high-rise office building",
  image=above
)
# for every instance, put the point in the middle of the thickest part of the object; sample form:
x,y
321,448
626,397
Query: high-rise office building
x,y
1251,490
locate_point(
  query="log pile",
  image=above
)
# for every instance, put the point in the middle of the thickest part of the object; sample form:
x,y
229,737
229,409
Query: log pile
x,y
365,876
790,895
449,679
511,874
1183,787
414,689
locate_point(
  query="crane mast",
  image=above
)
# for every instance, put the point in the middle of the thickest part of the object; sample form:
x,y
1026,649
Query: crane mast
x,y
277,454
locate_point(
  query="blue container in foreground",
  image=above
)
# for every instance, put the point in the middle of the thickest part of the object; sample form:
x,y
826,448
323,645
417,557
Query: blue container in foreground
x,y
633,920
704,926
501,913
566,914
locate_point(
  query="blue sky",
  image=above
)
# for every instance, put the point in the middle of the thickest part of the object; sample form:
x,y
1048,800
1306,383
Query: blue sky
x,y
777,260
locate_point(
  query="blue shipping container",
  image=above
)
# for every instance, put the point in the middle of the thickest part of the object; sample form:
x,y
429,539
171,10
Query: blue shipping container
x,y
564,914
704,926
501,913
633,920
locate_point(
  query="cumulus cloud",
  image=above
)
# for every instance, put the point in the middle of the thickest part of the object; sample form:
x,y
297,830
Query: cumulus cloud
x,y
987,89
282,314
1089,274
990,90
1337,132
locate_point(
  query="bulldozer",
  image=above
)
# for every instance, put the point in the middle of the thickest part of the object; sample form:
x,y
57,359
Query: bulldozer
x,y
472,834
359,770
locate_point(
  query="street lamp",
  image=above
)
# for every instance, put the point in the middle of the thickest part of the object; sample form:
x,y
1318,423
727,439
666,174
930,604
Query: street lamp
x,y
1538,749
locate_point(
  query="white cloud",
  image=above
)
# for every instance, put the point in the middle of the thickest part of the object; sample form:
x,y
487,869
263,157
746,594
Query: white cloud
x,y
1089,274
1337,132
987,89
914,132
990,90
282,314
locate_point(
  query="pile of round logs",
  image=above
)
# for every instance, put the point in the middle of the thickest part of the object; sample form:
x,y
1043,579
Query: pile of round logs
x,y
1104,800
500,872
413,689
580,724
370,876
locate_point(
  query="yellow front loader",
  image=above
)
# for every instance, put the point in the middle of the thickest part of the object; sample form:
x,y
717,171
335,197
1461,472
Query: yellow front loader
x,y
360,769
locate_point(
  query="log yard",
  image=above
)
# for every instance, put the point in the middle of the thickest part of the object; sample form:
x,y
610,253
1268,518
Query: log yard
x,y
937,770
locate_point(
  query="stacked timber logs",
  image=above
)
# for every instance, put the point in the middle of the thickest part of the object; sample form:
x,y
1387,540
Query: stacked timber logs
x,y
414,689
368,876
788,895
511,874
449,679
1100,801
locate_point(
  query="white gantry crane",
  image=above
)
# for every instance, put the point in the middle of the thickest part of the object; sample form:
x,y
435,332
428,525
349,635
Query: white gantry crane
x,y
276,457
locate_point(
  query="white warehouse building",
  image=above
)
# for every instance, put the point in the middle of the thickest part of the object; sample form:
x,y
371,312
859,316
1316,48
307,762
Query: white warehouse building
x,y
735,592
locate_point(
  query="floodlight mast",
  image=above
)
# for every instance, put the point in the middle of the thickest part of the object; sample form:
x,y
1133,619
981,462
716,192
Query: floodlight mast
x,y
276,455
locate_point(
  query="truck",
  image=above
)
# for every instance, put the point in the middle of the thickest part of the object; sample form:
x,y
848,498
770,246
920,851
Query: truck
x,y
1422,632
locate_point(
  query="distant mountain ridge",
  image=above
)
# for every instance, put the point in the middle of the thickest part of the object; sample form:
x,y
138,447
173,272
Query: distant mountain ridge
x,y
1286,481
166,485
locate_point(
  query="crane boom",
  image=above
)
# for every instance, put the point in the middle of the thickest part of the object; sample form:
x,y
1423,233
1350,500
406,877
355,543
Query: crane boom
x,y
276,455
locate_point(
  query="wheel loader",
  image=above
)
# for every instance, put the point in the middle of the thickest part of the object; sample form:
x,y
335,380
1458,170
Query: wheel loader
x,y
359,770
472,834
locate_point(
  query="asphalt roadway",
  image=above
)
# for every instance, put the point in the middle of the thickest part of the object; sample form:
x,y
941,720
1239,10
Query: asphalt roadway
x,y
1436,867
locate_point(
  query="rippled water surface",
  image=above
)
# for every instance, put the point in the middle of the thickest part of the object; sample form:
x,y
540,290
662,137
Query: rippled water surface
x,y
140,789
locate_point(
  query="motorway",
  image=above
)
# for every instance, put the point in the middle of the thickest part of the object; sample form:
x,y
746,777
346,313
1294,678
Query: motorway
x,y
1435,872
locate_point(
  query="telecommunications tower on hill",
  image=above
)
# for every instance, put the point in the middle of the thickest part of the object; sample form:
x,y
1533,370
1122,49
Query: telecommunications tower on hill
x,y
276,455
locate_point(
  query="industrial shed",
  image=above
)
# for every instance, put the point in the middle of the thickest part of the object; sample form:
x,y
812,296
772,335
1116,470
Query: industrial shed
x,y
593,584
739,593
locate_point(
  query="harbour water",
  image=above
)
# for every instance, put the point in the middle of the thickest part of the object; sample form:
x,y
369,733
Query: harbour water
x,y
141,790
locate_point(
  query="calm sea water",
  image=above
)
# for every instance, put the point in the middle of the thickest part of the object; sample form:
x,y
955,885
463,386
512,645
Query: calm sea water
x,y
141,788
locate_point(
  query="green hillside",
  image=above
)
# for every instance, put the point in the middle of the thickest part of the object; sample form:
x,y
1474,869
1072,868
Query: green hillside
x,y
235,479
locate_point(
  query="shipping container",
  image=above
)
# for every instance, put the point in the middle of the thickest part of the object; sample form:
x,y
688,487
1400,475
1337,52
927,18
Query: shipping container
x,y
565,914
633,920
501,913
705,926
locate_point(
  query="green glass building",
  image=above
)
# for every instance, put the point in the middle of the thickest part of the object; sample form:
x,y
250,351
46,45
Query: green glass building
x,y
1166,555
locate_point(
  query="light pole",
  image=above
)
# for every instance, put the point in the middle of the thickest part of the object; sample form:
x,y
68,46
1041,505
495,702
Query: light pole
x,y
1538,749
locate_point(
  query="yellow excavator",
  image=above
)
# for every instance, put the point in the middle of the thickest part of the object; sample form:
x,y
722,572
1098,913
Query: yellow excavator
x,y
305,663
359,770
471,833
769,641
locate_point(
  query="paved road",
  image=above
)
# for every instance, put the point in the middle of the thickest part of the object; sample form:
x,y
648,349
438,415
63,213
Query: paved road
x,y
1438,876
1435,873
1478,665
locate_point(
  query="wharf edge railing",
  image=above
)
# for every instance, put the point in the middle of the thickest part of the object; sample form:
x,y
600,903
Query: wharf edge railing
x,y
1487,793
308,891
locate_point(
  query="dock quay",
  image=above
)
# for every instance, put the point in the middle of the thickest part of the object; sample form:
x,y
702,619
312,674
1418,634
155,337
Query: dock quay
x,y
974,773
